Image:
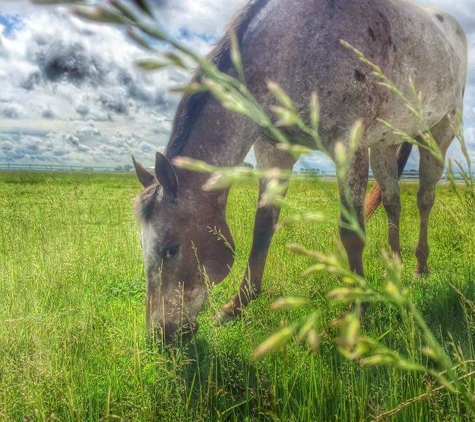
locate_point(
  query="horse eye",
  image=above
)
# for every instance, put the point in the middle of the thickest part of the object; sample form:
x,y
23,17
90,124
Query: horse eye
x,y
170,252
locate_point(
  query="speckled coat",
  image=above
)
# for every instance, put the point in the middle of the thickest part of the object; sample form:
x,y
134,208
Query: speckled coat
x,y
298,45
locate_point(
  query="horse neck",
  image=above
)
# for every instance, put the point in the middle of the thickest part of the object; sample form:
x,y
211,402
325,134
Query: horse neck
x,y
218,137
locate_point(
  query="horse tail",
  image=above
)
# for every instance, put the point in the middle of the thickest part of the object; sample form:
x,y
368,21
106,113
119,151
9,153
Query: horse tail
x,y
375,197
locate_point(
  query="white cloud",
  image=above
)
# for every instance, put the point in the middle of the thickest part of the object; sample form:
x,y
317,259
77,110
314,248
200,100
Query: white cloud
x,y
203,17
16,6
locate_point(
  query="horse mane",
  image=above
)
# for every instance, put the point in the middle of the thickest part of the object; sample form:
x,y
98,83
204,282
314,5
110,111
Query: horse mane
x,y
144,203
191,105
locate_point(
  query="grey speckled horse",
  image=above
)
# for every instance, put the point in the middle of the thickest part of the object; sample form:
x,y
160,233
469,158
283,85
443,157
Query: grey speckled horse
x,y
297,45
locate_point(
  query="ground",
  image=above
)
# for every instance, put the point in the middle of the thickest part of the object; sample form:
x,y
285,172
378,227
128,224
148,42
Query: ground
x,y
72,334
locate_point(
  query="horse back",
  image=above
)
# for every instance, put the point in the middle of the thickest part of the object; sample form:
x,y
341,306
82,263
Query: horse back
x,y
298,45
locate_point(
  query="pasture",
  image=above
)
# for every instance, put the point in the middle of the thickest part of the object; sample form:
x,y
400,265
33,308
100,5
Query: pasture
x,y
73,345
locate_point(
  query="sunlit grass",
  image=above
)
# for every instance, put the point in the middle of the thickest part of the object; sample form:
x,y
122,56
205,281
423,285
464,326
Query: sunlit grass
x,y
72,329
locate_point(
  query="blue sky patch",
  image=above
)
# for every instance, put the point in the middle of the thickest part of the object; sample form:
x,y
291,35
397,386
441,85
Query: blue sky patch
x,y
10,22
186,34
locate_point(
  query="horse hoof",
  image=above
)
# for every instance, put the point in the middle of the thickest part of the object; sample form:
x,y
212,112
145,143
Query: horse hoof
x,y
226,315
421,274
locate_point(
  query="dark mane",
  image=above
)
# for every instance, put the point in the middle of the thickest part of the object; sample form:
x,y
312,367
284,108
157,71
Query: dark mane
x,y
191,105
144,203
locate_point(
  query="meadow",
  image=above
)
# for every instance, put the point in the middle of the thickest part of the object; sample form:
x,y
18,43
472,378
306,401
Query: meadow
x,y
73,344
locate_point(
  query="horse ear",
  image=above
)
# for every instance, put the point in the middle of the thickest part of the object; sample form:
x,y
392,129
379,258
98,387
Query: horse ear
x,y
165,174
144,176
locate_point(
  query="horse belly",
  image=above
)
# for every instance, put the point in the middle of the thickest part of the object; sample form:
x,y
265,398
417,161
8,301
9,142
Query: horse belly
x,y
428,59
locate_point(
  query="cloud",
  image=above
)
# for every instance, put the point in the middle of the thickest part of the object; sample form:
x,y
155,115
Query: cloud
x,y
205,18
60,72
70,93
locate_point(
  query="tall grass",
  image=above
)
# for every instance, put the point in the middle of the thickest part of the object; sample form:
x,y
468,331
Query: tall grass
x,y
413,347
73,342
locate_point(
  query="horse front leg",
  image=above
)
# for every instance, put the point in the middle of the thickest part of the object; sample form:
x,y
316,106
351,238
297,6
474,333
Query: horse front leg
x,y
267,156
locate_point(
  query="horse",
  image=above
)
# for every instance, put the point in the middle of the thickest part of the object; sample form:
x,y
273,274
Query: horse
x,y
298,45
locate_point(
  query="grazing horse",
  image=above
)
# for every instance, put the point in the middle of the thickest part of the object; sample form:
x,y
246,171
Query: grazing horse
x,y
297,45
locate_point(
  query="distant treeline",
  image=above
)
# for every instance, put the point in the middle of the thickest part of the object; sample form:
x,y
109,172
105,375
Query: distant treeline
x,y
307,172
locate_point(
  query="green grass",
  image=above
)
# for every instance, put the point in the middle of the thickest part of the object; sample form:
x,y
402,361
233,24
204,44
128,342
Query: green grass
x,y
73,344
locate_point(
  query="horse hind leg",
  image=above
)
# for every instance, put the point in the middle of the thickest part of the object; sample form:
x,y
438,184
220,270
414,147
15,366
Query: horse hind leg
x,y
384,164
352,198
267,156
430,172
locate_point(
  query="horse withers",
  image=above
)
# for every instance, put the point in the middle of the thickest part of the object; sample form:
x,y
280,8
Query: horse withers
x,y
297,45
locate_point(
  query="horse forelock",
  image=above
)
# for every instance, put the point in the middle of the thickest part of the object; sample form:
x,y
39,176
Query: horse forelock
x,y
190,106
144,203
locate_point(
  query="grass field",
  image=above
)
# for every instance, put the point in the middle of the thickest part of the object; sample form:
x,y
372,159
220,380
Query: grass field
x,y
73,345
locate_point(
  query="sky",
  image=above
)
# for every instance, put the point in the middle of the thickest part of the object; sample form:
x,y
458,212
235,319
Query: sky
x,y
71,95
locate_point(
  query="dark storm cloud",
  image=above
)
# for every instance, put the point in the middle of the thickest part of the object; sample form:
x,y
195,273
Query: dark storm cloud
x,y
67,61
56,71
10,111
74,61
47,113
